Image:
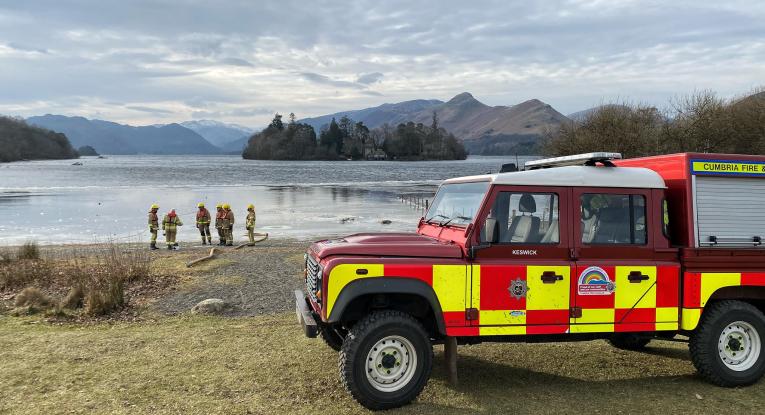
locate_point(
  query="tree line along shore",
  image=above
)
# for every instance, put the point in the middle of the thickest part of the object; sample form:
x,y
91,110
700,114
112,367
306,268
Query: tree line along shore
x,y
21,141
700,122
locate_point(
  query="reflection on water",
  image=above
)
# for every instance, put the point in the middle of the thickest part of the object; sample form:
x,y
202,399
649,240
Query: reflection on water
x,y
54,202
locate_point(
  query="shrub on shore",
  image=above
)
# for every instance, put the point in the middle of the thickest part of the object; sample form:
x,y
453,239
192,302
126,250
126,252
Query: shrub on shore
x,y
74,300
92,278
33,297
29,250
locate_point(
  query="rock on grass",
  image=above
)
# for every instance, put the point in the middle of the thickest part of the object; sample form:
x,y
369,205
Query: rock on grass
x,y
210,306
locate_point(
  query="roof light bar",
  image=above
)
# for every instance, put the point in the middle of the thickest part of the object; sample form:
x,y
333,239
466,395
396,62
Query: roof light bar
x,y
574,160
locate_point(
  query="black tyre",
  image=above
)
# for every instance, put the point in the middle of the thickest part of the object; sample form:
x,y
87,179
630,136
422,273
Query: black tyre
x,y
386,360
629,341
331,337
726,347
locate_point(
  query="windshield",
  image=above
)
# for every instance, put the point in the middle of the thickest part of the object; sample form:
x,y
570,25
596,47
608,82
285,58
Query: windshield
x,y
457,203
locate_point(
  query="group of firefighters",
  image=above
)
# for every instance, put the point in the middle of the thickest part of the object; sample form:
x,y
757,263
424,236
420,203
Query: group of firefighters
x,y
224,224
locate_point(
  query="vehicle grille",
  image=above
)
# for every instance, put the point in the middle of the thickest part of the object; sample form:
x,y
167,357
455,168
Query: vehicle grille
x,y
313,277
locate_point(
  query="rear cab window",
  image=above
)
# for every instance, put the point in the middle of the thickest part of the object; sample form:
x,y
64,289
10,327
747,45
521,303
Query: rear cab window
x,y
614,223
613,219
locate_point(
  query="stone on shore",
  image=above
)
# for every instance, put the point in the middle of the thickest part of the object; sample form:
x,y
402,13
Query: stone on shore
x,y
210,306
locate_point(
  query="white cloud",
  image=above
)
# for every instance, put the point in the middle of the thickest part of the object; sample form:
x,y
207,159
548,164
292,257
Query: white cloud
x,y
242,61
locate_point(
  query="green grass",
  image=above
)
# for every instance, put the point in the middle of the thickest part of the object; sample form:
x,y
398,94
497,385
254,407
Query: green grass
x,y
263,365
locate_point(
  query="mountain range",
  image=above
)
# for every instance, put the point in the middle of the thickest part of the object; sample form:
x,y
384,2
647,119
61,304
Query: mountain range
x,y
106,137
484,129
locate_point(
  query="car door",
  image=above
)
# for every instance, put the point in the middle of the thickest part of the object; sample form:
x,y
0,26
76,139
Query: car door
x,y
521,283
614,285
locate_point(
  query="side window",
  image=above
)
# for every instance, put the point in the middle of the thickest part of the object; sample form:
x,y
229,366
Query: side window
x,y
527,217
613,219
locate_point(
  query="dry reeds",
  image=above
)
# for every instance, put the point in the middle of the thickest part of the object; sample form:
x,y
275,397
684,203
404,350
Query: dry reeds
x,y
29,250
92,277
33,297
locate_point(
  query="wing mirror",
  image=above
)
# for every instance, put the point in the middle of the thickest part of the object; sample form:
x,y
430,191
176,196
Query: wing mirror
x,y
491,228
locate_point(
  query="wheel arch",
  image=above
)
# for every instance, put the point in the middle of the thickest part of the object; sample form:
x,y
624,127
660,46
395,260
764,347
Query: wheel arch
x,y
405,294
752,294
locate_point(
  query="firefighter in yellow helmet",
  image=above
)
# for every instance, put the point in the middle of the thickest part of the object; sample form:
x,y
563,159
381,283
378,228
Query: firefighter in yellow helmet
x,y
219,215
250,223
203,223
153,225
170,225
228,222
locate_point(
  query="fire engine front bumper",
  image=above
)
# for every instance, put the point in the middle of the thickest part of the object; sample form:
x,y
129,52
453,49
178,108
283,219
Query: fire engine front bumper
x,y
304,315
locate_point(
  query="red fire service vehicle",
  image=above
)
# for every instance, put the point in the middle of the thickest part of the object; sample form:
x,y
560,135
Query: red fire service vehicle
x,y
571,248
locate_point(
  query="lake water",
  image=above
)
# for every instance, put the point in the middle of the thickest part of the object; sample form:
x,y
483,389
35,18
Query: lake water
x,y
107,199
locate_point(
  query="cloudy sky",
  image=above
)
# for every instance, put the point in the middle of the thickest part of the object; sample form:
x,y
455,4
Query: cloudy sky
x,y
144,62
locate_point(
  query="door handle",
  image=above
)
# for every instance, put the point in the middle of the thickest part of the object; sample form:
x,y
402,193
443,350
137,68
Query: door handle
x,y
636,277
549,277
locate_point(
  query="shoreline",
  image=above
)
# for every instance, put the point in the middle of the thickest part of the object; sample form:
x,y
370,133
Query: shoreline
x,y
185,246
252,281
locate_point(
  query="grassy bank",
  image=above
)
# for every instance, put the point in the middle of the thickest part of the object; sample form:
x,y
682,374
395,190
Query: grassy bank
x,y
264,365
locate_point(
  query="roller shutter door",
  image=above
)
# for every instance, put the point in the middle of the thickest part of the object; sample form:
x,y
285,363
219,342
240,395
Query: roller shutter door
x,y
730,208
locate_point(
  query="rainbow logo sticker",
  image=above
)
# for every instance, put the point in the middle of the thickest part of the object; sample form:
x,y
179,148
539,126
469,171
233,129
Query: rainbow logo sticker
x,y
595,281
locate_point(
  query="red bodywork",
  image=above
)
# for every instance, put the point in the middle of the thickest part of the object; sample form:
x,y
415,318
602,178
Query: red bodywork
x,y
389,245
675,169
678,265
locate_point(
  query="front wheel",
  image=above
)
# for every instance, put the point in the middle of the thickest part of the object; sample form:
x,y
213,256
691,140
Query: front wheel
x,y
386,360
726,347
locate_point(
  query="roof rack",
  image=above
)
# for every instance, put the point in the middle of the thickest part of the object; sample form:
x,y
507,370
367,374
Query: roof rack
x,y
586,159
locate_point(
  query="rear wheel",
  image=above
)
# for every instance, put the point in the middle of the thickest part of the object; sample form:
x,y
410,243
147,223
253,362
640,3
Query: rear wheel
x,y
629,341
726,347
386,360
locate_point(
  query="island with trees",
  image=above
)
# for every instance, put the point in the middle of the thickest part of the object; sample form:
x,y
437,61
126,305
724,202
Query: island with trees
x,y
21,141
345,139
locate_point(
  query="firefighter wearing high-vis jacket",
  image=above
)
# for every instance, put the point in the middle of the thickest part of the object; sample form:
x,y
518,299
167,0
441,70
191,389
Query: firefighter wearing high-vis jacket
x,y
219,215
153,225
250,223
170,225
203,223
228,222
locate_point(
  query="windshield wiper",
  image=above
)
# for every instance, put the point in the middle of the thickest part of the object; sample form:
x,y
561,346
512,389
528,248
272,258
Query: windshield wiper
x,y
430,221
455,217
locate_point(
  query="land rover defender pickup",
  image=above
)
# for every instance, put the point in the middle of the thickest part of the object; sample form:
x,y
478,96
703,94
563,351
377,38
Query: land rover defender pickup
x,y
572,248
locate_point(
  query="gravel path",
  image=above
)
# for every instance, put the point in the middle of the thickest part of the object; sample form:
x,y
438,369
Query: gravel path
x,y
254,280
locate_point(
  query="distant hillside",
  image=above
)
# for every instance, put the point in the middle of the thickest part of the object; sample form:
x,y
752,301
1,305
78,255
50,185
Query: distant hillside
x,y
484,129
218,133
111,138
20,141
392,114
236,146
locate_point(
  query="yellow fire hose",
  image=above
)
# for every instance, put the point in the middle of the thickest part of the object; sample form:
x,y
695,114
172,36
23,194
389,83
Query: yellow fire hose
x,y
263,237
